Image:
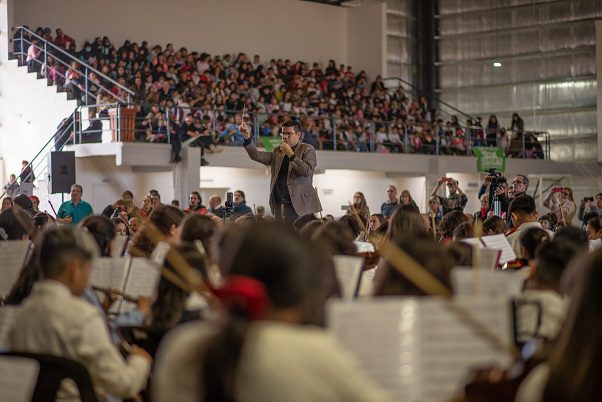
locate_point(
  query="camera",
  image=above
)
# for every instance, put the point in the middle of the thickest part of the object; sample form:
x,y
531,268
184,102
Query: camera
x,y
586,199
495,179
228,207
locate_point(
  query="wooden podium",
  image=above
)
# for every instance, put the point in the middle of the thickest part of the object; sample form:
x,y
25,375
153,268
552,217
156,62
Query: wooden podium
x,y
127,124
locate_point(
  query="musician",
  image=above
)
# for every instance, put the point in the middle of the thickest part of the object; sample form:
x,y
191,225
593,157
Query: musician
x,y
291,187
54,320
524,216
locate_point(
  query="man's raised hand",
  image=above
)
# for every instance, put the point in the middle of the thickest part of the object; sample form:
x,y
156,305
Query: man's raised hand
x,y
244,129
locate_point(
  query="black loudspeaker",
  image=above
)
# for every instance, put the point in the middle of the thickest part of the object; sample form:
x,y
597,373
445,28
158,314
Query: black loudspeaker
x,y
61,171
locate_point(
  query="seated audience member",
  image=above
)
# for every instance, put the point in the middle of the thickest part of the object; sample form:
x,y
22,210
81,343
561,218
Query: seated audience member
x,y
572,371
524,217
551,259
426,252
54,320
7,203
241,356
376,221
494,225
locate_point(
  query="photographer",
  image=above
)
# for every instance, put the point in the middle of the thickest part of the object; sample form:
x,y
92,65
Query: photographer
x,y
560,201
123,206
587,205
456,201
498,190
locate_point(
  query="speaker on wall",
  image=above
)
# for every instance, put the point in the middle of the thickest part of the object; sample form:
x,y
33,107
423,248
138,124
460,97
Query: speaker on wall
x,y
61,171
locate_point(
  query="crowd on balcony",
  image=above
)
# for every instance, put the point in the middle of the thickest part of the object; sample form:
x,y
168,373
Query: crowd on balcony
x,y
341,108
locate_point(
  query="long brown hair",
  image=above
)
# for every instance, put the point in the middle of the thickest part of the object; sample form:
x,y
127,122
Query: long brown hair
x,y
576,361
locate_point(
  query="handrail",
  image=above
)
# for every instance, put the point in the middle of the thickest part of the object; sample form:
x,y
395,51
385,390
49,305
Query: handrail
x,y
58,138
46,43
437,99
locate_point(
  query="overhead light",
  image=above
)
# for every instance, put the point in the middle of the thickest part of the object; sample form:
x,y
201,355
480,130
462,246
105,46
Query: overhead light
x,y
497,64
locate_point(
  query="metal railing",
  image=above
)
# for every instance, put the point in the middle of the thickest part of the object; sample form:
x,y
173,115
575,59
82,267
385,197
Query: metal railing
x,y
220,127
66,70
39,163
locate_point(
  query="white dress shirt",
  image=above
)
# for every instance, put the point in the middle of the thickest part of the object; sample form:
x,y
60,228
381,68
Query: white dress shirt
x,y
53,321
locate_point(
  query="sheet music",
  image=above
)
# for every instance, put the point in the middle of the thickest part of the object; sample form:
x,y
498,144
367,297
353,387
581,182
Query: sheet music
x,y
473,241
501,243
490,283
7,317
348,269
159,253
119,244
417,348
110,272
141,281
18,378
367,282
12,260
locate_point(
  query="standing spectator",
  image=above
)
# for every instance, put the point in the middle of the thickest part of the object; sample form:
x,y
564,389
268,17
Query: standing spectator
x,y
73,80
406,199
76,209
588,206
215,204
196,204
11,187
26,175
517,124
360,205
435,211
388,207
456,201
492,132
240,204
560,201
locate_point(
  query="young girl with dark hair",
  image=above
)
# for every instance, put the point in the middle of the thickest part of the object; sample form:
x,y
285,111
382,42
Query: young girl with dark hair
x,y
259,351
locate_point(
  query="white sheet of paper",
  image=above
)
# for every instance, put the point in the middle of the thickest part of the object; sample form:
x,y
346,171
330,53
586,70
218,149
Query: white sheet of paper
x,y
7,317
348,269
119,243
490,283
159,253
501,243
141,281
417,348
110,272
12,260
18,377
473,241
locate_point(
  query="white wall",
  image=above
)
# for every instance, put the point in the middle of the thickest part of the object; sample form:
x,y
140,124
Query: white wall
x,y
367,38
271,28
30,112
599,88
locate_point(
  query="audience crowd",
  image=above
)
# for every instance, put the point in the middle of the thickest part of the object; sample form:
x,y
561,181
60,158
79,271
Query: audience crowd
x,y
340,107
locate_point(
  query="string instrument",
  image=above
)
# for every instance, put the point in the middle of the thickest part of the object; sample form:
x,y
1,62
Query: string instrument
x,y
115,292
494,384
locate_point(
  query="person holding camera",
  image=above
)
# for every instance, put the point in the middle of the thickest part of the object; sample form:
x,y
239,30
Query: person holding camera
x,y
560,201
588,206
292,165
456,201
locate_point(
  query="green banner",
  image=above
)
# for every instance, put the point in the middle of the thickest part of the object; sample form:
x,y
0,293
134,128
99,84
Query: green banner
x,y
490,158
270,142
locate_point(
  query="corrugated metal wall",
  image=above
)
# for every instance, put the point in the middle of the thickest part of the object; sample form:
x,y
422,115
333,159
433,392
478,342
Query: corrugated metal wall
x,y
548,73
401,39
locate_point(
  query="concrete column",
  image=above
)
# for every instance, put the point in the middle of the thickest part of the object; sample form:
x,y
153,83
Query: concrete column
x,y
186,174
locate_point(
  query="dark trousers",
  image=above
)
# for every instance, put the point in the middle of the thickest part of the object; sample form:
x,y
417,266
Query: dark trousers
x,y
285,212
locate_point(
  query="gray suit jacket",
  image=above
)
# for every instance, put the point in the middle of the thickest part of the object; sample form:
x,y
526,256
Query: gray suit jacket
x,y
300,176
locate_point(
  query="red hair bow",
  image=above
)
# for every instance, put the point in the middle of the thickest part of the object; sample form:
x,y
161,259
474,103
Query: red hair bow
x,y
243,293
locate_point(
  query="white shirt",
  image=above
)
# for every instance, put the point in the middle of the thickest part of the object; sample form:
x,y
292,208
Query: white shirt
x,y
280,362
53,321
514,238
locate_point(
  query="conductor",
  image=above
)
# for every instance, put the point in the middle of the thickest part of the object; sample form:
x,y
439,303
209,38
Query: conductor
x,y
292,164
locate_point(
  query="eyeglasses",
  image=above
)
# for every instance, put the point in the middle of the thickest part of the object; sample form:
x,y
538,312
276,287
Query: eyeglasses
x,y
518,182
284,134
